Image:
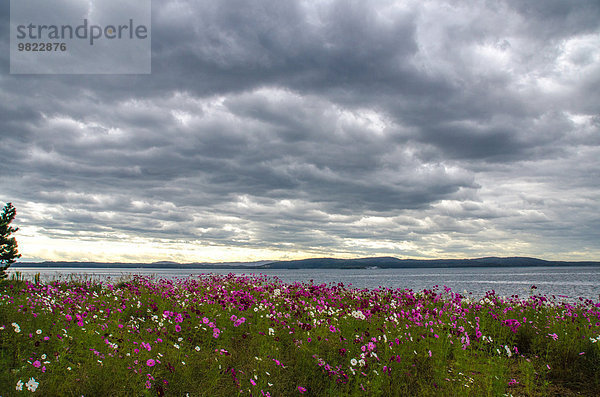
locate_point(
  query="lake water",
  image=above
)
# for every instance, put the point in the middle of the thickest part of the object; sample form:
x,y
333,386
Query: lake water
x,y
565,281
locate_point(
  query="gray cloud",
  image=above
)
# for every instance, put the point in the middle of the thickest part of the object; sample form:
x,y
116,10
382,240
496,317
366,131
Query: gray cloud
x,y
361,128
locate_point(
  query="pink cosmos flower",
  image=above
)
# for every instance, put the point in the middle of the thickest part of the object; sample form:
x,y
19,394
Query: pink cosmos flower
x,y
150,362
301,389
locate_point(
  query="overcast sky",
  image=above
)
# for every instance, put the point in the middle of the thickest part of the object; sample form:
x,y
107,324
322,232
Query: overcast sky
x,y
291,129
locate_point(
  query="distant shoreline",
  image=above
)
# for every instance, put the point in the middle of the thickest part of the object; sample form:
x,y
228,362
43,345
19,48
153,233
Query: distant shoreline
x,y
322,263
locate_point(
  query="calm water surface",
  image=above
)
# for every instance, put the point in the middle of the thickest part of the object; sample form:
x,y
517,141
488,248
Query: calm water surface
x,y
565,281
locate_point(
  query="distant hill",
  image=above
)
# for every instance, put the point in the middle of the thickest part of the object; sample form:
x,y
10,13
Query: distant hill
x,y
385,262
391,262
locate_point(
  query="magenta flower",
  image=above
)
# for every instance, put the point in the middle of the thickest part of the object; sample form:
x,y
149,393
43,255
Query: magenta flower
x,y
37,363
301,389
150,362
177,328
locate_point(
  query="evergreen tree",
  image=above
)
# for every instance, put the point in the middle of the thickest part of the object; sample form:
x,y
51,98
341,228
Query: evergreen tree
x,y
8,245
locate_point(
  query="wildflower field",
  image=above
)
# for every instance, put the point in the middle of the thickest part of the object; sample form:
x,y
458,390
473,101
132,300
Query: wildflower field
x,y
252,335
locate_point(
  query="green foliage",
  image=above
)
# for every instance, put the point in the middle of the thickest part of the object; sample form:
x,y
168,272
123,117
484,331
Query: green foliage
x,y
8,244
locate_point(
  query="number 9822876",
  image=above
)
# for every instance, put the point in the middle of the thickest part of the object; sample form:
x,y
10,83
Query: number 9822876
x,y
42,47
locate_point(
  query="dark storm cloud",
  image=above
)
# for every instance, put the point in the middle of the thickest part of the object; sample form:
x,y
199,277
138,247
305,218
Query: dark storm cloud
x,y
325,127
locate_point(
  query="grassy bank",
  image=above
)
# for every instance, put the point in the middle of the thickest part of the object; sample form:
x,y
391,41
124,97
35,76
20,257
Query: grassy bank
x,y
232,335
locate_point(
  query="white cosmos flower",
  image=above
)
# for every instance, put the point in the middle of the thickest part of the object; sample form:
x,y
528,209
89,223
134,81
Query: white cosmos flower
x,y
32,385
353,362
19,386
